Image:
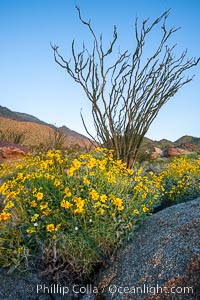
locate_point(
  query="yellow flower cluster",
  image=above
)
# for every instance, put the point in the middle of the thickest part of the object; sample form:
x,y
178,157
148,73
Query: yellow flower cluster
x,y
54,193
50,185
52,227
181,178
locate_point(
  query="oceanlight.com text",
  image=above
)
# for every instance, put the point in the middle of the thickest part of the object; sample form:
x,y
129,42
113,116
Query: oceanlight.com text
x,y
145,289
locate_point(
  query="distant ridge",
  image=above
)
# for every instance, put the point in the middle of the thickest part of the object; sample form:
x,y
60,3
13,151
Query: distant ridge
x,y
187,139
23,117
184,142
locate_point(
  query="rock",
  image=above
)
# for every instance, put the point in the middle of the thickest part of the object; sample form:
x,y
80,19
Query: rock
x,y
89,297
157,152
161,261
11,151
169,152
31,286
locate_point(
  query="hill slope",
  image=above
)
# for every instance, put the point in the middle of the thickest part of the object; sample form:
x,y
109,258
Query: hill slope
x,y
35,131
186,139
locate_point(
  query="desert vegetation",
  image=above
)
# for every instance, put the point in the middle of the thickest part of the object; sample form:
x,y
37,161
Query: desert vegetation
x,y
68,213
12,136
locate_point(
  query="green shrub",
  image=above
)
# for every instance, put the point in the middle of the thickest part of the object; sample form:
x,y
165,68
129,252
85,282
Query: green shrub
x,y
71,213
181,179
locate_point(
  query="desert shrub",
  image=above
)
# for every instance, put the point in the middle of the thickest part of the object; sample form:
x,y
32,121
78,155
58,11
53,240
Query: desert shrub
x,y
181,179
71,213
57,140
12,136
144,154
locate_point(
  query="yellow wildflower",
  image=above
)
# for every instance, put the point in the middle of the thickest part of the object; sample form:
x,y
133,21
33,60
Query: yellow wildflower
x,y
39,196
119,203
20,250
144,195
34,191
46,212
50,227
79,205
12,194
86,181
97,204
57,182
91,163
47,175
99,149
71,171
65,204
79,210
4,216
43,165
67,192
103,198
77,199
130,171
20,176
33,204
76,164
144,208
94,194
102,164
43,205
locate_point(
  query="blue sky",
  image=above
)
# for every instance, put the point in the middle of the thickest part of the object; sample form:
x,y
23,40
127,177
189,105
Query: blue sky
x,y
33,83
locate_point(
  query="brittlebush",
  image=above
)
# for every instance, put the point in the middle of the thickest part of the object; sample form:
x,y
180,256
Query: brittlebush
x,y
181,179
71,212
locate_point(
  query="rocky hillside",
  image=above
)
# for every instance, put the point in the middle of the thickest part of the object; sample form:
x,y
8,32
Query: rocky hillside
x,y
188,140
36,132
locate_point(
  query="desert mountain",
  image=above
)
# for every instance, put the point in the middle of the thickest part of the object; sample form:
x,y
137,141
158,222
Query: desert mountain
x,y
186,142
18,116
36,132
